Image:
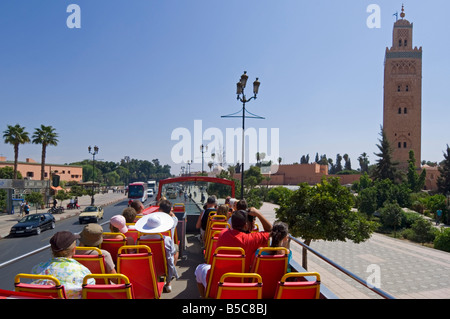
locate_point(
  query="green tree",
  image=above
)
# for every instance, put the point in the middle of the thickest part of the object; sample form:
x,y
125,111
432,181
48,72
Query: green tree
x,y
3,196
323,212
423,231
443,181
442,239
367,201
279,194
385,167
45,135
16,135
338,166
35,198
416,182
391,215
77,191
348,162
364,162
62,195
7,172
387,191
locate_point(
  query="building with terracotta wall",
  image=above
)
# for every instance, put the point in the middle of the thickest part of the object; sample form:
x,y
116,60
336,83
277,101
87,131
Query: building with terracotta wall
x,y
32,170
294,174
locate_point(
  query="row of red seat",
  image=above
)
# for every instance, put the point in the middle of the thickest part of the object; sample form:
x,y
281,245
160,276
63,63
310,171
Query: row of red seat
x,y
129,283
267,276
267,279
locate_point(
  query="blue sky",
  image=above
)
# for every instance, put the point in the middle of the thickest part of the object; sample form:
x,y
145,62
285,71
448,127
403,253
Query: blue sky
x,y
137,70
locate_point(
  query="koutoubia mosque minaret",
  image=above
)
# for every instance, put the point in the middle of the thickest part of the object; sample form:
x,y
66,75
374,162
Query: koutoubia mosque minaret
x,y
402,111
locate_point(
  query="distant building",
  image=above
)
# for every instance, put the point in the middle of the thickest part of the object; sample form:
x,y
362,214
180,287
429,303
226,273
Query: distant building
x,y
294,174
32,170
402,113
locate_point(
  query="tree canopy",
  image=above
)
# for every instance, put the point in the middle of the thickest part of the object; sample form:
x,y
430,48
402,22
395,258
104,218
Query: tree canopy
x,y
324,212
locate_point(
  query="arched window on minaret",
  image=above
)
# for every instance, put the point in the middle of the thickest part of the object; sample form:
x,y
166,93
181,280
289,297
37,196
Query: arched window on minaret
x,y
400,42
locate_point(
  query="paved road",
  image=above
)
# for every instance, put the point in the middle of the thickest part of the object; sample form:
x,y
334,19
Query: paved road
x,y
14,247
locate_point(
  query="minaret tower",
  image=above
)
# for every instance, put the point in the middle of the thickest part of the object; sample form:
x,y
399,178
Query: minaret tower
x,y
402,112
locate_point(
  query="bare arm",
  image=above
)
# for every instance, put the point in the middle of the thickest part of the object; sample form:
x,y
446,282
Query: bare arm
x,y
265,223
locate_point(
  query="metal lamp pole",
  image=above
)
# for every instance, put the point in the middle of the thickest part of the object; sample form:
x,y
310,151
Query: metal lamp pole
x,y
240,86
93,152
203,149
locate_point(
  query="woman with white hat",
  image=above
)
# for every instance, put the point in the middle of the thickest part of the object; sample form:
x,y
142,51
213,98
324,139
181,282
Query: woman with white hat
x,y
159,222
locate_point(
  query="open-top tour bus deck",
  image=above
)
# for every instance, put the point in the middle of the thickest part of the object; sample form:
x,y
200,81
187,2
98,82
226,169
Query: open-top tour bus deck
x,y
191,194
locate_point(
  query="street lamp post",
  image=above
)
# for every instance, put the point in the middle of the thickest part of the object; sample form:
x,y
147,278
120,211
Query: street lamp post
x,y
94,152
240,86
189,162
203,149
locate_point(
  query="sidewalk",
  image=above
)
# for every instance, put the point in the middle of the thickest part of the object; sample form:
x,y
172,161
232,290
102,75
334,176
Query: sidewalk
x,y
8,220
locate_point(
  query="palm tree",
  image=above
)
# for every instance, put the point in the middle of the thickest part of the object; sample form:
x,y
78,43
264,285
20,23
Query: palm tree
x,y
16,135
44,135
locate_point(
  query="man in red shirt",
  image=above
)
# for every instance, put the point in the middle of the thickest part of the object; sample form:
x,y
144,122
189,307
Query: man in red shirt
x,y
239,236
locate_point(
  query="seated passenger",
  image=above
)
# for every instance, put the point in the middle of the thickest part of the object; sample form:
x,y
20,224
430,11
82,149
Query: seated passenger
x,y
130,215
117,224
211,205
62,266
222,210
138,207
238,236
159,222
279,237
232,206
92,236
165,206
239,205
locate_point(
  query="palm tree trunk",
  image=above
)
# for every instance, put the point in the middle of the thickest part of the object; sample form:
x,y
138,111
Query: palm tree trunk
x,y
16,158
43,161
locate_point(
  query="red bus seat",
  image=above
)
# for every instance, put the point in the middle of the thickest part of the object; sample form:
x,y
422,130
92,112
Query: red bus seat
x,y
132,232
95,263
271,268
212,245
215,225
122,290
56,290
140,270
225,259
300,288
178,207
159,254
212,218
249,287
112,245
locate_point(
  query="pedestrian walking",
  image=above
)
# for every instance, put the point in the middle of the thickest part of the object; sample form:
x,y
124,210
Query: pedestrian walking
x,y
26,208
438,216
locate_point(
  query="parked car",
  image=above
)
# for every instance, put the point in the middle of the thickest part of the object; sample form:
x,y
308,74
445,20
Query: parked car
x,y
91,213
33,223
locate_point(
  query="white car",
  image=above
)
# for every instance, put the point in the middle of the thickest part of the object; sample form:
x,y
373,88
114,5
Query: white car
x,y
150,192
